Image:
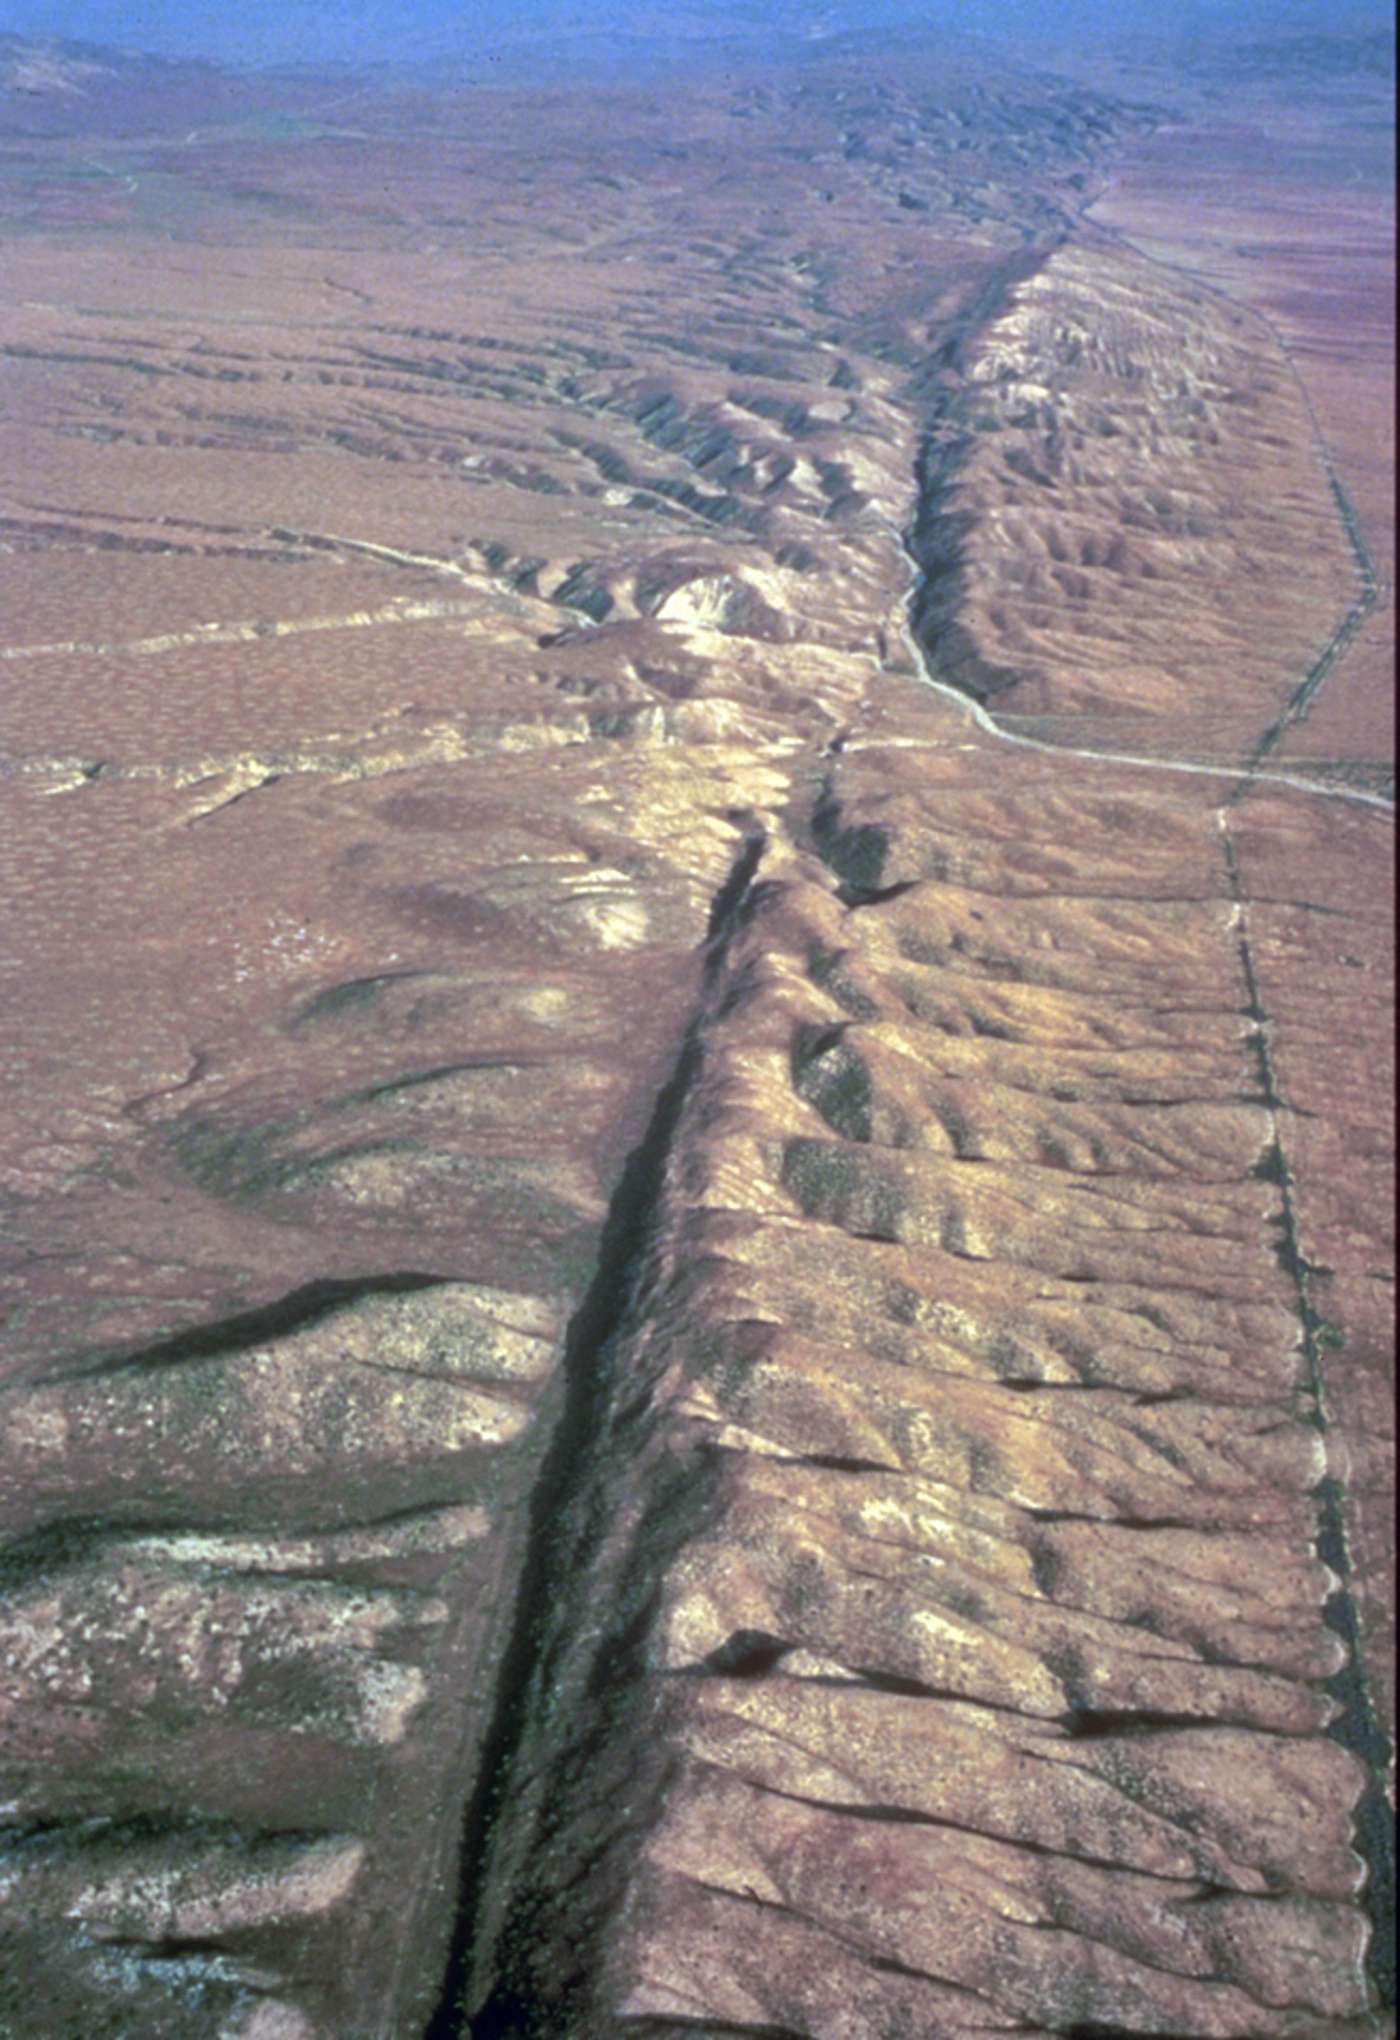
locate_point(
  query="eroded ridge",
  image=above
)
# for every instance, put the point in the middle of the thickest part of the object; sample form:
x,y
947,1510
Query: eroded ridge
x,y
951,1653
624,1214
259,1571
253,1596
1124,500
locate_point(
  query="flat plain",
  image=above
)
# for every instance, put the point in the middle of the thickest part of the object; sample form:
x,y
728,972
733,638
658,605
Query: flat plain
x,y
695,1164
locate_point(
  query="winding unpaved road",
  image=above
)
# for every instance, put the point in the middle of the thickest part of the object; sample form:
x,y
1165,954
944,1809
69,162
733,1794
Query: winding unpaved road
x,y
1370,591
1247,774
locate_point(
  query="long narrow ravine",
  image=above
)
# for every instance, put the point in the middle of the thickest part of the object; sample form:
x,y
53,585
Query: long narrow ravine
x,y
704,1680
693,1261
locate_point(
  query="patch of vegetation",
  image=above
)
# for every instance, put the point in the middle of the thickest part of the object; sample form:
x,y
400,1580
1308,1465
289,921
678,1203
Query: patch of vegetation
x,y
830,1075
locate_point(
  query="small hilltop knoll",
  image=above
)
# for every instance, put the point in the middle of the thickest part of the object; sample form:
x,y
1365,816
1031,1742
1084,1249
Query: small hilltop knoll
x,y
694,1145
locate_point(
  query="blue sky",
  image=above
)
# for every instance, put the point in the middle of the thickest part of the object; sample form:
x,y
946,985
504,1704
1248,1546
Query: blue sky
x,y
272,31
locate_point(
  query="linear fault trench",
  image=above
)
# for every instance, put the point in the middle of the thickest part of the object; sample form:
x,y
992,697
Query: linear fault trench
x,y
580,1440
424,611
568,1490
412,612
1357,1727
1248,773
1303,696
1370,581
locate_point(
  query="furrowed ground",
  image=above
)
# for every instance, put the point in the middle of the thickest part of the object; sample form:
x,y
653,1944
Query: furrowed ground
x,y
694,1330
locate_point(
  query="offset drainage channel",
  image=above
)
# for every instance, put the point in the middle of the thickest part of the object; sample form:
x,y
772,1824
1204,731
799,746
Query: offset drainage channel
x,y
1245,775
1357,1726
935,462
557,1549
1303,695
553,1567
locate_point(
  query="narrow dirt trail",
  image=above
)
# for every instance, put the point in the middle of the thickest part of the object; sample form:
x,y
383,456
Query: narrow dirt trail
x,y
1371,589
1247,774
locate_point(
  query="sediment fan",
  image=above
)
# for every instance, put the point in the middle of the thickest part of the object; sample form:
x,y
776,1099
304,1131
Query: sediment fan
x,y
697,784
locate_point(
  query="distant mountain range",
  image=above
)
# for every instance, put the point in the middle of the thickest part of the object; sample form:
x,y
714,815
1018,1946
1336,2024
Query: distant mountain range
x,y
54,87
208,67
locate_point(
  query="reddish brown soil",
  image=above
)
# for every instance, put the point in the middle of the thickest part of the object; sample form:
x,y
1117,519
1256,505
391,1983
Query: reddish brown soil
x,y
690,1347
1287,205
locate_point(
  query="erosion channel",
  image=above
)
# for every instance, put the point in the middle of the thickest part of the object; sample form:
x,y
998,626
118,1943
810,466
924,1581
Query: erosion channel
x,y
695,1168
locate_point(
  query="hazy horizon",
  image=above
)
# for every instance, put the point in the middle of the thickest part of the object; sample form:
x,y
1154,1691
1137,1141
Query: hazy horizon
x,y
408,31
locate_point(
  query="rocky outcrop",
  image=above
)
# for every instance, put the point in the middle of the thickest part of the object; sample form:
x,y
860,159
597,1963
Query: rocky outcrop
x,y
691,1347
1125,450
956,1650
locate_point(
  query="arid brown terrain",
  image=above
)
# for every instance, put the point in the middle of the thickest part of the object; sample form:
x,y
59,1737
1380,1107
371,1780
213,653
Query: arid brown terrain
x,y
696,778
